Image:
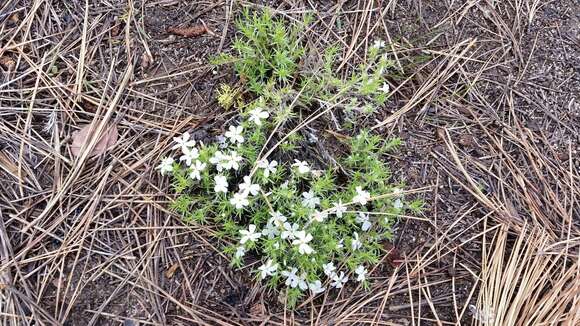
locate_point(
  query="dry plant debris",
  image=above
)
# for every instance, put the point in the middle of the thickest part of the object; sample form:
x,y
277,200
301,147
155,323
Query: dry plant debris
x,y
83,137
502,71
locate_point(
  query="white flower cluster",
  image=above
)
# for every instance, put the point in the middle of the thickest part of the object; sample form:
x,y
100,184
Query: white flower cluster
x,y
282,227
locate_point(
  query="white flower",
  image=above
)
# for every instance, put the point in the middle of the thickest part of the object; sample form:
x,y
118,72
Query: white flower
x,y
189,154
240,252
235,134
277,218
231,161
166,165
221,184
302,282
310,200
316,287
302,239
319,216
339,280
196,170
250,234
329,269
248,187
385,88
293,280
363,218
398,204
339,209
289,231
379,44
355,243
268,167
183,142
268,269
361,197
361,273
257,114
240,200
270,231
302,166
340,244
218,159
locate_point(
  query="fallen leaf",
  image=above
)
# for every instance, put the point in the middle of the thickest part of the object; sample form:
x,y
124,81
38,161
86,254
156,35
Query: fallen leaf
x,y
393,256
108,139
258,310
146,60
7,62
14,18
9,165
171,270
190,31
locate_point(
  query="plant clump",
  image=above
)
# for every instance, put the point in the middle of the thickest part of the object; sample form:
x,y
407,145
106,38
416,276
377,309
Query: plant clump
x,y
313,227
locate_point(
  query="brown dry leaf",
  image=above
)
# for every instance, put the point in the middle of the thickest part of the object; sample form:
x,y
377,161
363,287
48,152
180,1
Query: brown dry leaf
x,y
190,31
258,310
9,165
7,62
14,18
171,270
108,139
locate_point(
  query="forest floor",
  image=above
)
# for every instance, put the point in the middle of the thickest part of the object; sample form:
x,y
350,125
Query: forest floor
x,y
490,118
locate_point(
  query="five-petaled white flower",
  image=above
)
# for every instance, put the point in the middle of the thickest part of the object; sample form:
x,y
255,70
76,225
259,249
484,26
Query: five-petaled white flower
x,y
248,187
310,200
270,231
293,280
218,159
268,269
302,239
355,242
240,252
250,234
385,88
189,154
269,167
240,200
183,142
361,197
316,287
339,209
196,170
301,166
329,269
379,44
166,165
363,219
221,184
257,114
339,280
231,161
319,216
361,273
235,134
277,218
289,231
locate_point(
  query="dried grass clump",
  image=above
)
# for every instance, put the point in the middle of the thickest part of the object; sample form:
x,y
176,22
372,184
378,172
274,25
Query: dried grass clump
x,y
526,282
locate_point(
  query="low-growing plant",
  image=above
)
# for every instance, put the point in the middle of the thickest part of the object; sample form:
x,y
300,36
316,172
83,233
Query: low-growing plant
x,y
313,226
